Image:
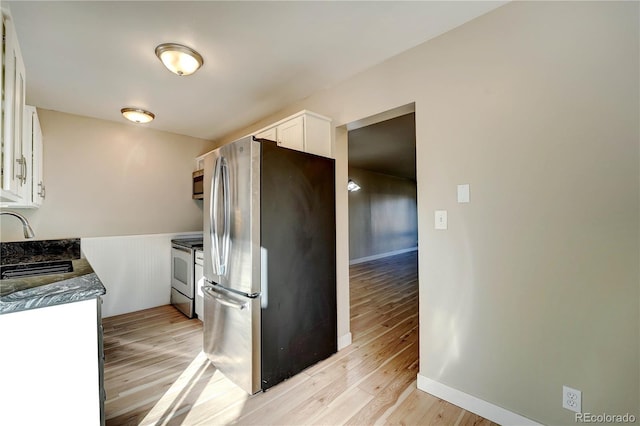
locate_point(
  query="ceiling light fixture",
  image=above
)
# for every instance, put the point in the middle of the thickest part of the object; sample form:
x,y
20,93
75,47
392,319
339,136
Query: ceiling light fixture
x,y
352,186
137,115
179,59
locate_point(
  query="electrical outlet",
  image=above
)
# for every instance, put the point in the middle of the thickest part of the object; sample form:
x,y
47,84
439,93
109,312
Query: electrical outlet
x,y
571,399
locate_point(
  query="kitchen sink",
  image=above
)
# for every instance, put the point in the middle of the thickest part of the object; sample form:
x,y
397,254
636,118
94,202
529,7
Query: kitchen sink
x,y
23,270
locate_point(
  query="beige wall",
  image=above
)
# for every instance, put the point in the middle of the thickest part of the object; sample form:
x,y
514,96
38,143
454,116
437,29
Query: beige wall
x,y
382,214
105,178
536,282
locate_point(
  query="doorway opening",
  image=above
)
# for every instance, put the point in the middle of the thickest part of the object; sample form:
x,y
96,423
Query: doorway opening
x,y
383,234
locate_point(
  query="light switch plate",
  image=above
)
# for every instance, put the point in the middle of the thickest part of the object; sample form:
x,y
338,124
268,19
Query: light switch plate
x,y
463,193
441,219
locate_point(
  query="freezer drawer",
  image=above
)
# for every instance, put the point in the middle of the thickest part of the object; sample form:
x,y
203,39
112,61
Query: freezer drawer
x,y
232,336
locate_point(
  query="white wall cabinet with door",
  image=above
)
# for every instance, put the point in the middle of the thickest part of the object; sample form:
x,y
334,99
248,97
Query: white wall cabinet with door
x,y
304,131
14,156
33,191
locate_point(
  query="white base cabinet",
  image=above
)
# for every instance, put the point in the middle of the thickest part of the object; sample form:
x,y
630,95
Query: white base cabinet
x,y
51,365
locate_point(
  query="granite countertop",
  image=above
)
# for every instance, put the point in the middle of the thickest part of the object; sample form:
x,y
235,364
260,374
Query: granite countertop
x,y
20,294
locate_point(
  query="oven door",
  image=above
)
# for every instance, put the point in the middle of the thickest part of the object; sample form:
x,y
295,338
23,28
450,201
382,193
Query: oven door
x,y
182,270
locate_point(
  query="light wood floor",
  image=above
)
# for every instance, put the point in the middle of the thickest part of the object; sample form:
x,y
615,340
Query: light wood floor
x,y
156,374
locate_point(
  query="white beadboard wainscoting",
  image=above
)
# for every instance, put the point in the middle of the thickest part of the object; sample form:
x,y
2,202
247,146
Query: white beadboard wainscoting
x,y
135,269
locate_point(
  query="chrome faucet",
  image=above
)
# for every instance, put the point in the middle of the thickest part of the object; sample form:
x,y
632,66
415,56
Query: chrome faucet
x,y
28,232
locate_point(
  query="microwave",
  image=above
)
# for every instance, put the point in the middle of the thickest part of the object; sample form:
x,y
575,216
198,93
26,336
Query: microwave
x,y
198,185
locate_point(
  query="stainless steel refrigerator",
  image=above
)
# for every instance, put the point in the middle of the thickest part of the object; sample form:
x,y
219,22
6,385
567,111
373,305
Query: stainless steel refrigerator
x,y
269,261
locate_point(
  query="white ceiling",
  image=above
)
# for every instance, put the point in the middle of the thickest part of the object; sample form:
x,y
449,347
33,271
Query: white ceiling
x,y
92,57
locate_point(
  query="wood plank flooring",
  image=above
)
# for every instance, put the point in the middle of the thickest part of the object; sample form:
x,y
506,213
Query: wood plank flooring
x,y
156,374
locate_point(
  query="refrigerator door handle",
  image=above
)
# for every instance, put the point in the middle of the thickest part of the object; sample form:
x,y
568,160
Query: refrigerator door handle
x,y
226,200
224,300
215,250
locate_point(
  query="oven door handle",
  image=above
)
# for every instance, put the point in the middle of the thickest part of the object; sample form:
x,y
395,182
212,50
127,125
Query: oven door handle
x,y
224,300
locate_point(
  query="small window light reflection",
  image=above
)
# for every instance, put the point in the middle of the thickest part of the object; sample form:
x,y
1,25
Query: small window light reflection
x,y
352,186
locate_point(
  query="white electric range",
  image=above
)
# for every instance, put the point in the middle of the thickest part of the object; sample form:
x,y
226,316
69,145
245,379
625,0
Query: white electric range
x,y
183,274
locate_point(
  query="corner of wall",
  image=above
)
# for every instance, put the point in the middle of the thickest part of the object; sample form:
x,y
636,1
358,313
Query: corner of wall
x,y
344,341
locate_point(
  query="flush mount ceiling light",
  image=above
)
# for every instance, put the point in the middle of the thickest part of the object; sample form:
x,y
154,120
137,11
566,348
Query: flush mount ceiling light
x,y
137,115
352,186
179,59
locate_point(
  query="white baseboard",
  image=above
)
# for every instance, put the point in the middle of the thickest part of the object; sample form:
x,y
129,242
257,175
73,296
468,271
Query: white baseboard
x,y
344,341
471,403
381,255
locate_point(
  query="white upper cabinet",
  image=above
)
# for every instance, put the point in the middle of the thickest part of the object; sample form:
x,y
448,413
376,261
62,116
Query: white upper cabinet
x,y
271,134
305,131
15,165
32,192
289,134
21,184
2,95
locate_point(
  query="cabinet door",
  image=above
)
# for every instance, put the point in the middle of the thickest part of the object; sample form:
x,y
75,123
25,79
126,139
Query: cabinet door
x,y
2,87
268,134
36,175
32,191
22,151
9,182
317,139
51,342
14,167
291,134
